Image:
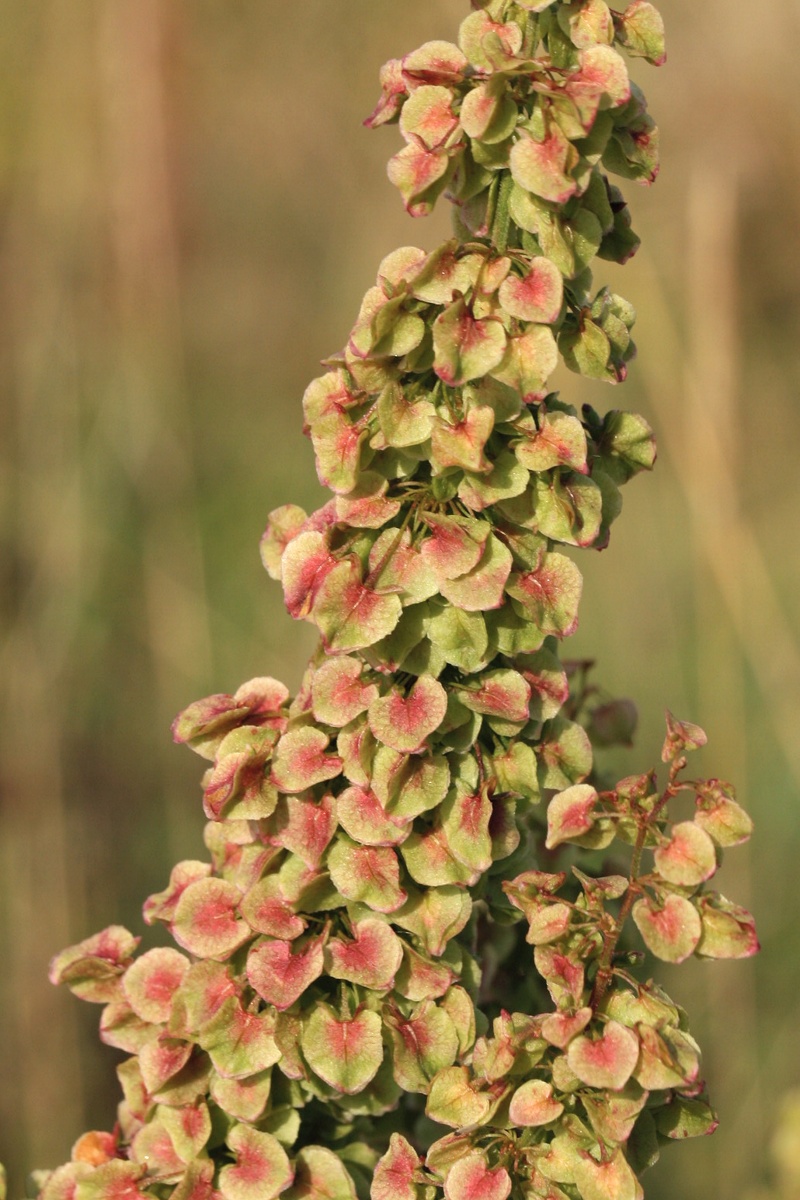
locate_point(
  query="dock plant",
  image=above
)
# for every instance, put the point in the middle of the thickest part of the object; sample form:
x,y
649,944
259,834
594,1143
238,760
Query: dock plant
x,y
417,959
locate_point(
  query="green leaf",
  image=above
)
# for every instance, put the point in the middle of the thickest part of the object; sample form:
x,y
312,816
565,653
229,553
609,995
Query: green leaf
x,y
570,814
350,614
466,347
346,1053
535,296
558,440
641,31
483,587
207,921
728,929
396,1173
611,1179
544,167
368,874
454,1101
688,858
262,1169
462,638
371,959
671,930
529,360
405,722
281,971
549,595
533,1104
471,1177
587,351
434,915
320,1175
607,1061
683,1117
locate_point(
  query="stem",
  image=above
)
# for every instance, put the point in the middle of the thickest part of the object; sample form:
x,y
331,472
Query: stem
x,y
604,974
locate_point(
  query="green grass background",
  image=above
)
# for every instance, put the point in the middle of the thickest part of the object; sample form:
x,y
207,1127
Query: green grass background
x,y
190,212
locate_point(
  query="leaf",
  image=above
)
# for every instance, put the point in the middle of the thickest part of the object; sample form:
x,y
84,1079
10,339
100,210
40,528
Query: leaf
x,y
549,595
239,1043
434,915
283,524
368,874
422,1044
454,1101
396,1171
362,816
471,1179
351,615
536,296
162,1059
281,971
320,1175
434,62
483,587
371,959
405,722
266,910
455,544
670,930
465,347
559,440
728,930
244,1099
345,1053
681,736
428,116
461,443
419,978
307,560
262,1169
304,826
641,31
688,858
92,968
607,1061
684,1117
529,360
611,1179
404,420
533,1104
587,351
152,980
397,566
300,760
565,758
206,921
108,1181
419,175
430,860
418,783
720,816
544,167
499,693
570,814
462,638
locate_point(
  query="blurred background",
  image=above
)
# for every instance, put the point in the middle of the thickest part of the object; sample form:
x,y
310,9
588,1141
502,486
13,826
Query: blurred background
x,y
190,211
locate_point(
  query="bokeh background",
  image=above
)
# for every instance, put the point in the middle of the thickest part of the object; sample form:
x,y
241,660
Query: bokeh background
x,y
190,211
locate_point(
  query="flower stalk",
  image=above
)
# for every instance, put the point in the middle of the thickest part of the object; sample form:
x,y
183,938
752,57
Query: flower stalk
x,y
395,978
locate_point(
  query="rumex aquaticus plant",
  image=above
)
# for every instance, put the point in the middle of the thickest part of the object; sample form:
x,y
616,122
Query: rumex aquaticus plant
x,y
414,963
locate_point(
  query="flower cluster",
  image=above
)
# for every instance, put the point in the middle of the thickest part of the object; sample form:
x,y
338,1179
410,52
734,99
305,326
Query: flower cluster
x,y
383,981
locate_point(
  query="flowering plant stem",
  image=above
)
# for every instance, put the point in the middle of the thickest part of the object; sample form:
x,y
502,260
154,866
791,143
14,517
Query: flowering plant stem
x,y
400,973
